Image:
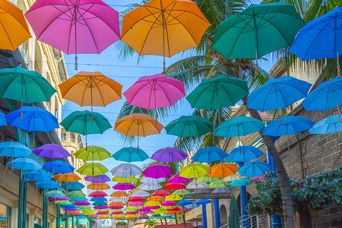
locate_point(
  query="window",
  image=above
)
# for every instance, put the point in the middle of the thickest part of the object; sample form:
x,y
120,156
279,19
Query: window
x,y
5,216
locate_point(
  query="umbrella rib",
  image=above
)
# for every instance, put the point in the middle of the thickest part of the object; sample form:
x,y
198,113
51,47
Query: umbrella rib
x,y
91,33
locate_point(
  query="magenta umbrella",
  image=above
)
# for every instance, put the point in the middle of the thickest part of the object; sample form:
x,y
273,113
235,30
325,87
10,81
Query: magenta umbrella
x,y
176,179
100,207
156,91
169,154
157,171
168,203
136,204
75,26
123,186
82,203
145,210
115,207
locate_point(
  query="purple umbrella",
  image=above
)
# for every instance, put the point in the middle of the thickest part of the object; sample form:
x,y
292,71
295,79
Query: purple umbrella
x,y
123,186
169,154
98,179
100,207
157,171
178,179
51,151
82,203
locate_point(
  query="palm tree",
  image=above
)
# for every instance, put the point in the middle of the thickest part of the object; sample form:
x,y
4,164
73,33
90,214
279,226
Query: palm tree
x,y
151,223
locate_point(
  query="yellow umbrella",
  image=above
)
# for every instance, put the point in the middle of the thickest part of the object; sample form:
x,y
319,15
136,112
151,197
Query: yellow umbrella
x,y
98,186
67,177
152,203
173,198
91,89
223,170
14,30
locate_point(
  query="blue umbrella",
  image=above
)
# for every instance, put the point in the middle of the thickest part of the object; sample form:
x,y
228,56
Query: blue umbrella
x,y
326,96
278,93
209,154
58,166
287,125
24,164
32,119
239,183
238,126
68,206
38,175
203,201
96,199
184,202
72,186
3,121
14,149
329,125
254,169
47,184
244,154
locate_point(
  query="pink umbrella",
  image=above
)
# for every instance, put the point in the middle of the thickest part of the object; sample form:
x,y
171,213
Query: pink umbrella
x,y
82,203
156,91
145,210
157,171
100,207
117,212
75,26
178,179
169,203
115,207
123,186
136,204
153,207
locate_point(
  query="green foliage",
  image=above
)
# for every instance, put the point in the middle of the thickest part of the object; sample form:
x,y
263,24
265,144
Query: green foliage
x,y
150,223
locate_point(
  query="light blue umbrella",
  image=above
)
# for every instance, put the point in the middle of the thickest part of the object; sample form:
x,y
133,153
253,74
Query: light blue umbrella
x,y
47,184
79,199
254,169
130,154
287,125
244,154
239,183
238,126
14,149
326,96
278,93
58,166
3,121
329,125
38,175
209,154
103,199
72,186
55,194
24,164
32,119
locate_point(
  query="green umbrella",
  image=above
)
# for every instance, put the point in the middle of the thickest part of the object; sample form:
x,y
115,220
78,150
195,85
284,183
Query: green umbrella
x,y
24,85
194,170
92,169
207,179
63,202
92,153
181,192
99,203
189,126
234,220
257,31
217,184
218,92
75,194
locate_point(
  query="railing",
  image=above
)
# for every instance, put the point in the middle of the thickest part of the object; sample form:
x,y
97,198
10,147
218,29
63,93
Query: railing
x,y
250,221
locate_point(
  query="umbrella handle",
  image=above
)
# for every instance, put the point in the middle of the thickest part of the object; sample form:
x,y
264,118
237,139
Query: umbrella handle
x,y
76,62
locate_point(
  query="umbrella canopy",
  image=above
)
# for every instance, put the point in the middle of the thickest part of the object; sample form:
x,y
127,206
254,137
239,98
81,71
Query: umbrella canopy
x,y
206,179
185,202
98,186
55,194
155,198
244,154
67,177
13,149
151,181
203,201
220,91
72,186
24,86
47,184
97,179
85,123
174,186
92,169
123,186
92,153
119,194
189,126
149,186
254,169
38,175
209,154
222,170
157,171
197,185
130,154
169,154
58,166
181,192
91,89
178,179
138,125
160,193
73,194
157,91
126,170
125,179
51,151
3,121
173,198
287,125
278,93
24,164
238,126
140,193
239,183
98,194
32,119
194,170
257,31
328,125
326,96
222,190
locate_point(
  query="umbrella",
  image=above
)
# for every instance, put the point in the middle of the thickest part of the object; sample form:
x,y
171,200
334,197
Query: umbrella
x,y
130,154
209,154
98,199
97,179
244,154
24,86
222,170
13,149
217,184
184,202
126,170
222,190
238,126
151,181
206,179
168,203
157,171
38,175
149,187
152,30
169,154
254,169
328,125
125,179
220,91
24,164
257,31
123,186
287,125
203,201
32,119
82,203
73,194
72,186
174,186
239,183
98,186
178,179
91,89
194,170
119,194
181,192
189,126
140,193
92,153
138,125
92,169
58,166
67,177
326,96
160,193
47,184
197,185
83,27
155,198
157,91
55,194
98,194
3,121
278,93
85,123
51,151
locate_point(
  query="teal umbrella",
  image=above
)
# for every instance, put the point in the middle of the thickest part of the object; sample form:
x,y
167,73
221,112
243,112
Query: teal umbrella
x,y
238,126
55,194
234,220
25,86
220,91
189,126
257,31
130,154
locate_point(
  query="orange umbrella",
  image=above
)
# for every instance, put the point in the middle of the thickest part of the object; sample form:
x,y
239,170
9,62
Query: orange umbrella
x,y
67,177
98,186
91,89
164,27
138,125
223,170
119,194
155,198
116,204
14,30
